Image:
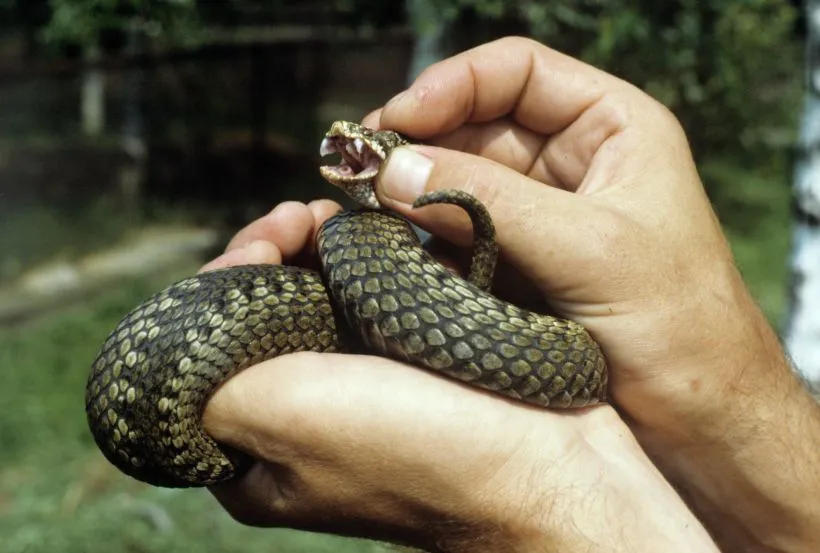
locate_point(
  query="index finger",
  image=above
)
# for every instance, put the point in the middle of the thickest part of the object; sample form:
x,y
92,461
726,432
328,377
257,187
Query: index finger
x,y
540,88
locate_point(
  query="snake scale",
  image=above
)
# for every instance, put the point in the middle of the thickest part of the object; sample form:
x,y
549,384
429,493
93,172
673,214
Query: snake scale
x,y
379,292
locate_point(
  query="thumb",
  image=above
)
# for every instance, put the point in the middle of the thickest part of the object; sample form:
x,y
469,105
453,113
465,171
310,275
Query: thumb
x,y
551,235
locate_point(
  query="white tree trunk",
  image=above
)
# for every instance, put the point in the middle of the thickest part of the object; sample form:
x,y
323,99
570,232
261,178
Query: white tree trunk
x,y
92,95
132,173
802,332
429,29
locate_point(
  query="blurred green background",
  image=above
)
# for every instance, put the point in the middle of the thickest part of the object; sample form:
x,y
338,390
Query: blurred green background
x,y
136,136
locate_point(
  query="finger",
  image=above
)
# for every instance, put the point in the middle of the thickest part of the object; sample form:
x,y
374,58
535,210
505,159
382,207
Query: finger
x,y
371,120
304,498
556,113
289,227
569,159
528,216
300,413
503,141
255,498
322,210
257,252
273,398
318,212
540,88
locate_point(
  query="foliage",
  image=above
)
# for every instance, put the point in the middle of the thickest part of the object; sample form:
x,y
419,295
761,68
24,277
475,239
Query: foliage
x,y
720,65
729,69
756,222
84,22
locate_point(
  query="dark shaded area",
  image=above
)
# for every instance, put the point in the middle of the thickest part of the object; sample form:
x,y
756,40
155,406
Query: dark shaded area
x,y
70,174
219,135
239,179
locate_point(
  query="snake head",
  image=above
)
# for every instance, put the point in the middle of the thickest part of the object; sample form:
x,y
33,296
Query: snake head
x,y
363,151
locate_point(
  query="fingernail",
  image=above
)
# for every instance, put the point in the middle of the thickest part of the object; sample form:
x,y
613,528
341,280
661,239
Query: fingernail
x,y
406,175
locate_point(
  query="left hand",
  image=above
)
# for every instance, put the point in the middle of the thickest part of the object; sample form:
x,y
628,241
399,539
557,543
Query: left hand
x,y
365,446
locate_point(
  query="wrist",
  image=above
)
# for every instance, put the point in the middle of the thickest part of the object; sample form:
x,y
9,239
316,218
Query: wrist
x,y
742,451
711,375
595,496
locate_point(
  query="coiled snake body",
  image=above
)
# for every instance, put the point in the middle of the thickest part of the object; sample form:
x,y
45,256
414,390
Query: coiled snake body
x,y
379,292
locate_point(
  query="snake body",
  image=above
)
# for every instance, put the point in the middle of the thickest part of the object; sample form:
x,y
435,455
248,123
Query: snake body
x,y
378,292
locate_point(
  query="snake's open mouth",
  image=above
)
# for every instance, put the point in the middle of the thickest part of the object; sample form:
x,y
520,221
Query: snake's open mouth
x,y
359,161
363,150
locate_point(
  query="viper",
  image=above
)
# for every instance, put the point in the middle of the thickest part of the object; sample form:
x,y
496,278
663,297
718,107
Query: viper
x,y
378,292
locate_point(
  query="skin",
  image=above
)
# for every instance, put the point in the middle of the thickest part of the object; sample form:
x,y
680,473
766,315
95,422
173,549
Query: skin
x,y
600,211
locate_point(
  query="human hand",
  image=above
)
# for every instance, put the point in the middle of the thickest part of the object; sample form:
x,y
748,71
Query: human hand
x,y
598,204
369,447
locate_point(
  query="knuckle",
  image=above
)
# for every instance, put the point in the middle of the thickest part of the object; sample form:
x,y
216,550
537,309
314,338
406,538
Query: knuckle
x,y
519,41
485,190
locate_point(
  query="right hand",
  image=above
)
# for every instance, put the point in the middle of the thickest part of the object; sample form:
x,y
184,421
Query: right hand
x,y
597,202
366,446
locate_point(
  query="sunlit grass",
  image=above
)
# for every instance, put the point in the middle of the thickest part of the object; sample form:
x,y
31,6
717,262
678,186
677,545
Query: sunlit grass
x,y
753,207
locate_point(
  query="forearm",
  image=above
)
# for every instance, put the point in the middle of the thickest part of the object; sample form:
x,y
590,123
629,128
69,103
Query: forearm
x,y
751,469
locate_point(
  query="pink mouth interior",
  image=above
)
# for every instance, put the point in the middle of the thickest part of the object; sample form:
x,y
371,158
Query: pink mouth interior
x,y
363,164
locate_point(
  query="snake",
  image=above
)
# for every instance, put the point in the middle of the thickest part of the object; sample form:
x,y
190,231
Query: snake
x,y
379,292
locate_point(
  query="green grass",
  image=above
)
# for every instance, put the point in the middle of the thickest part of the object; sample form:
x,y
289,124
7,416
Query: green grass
x,y
753,207
33,232
57,493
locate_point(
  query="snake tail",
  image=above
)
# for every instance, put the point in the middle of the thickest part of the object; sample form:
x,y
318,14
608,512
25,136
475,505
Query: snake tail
x,y
485,248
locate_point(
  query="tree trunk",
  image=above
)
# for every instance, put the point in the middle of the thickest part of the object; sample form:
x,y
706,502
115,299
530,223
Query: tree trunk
x,y
428,29
92,95
132,173
802,332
